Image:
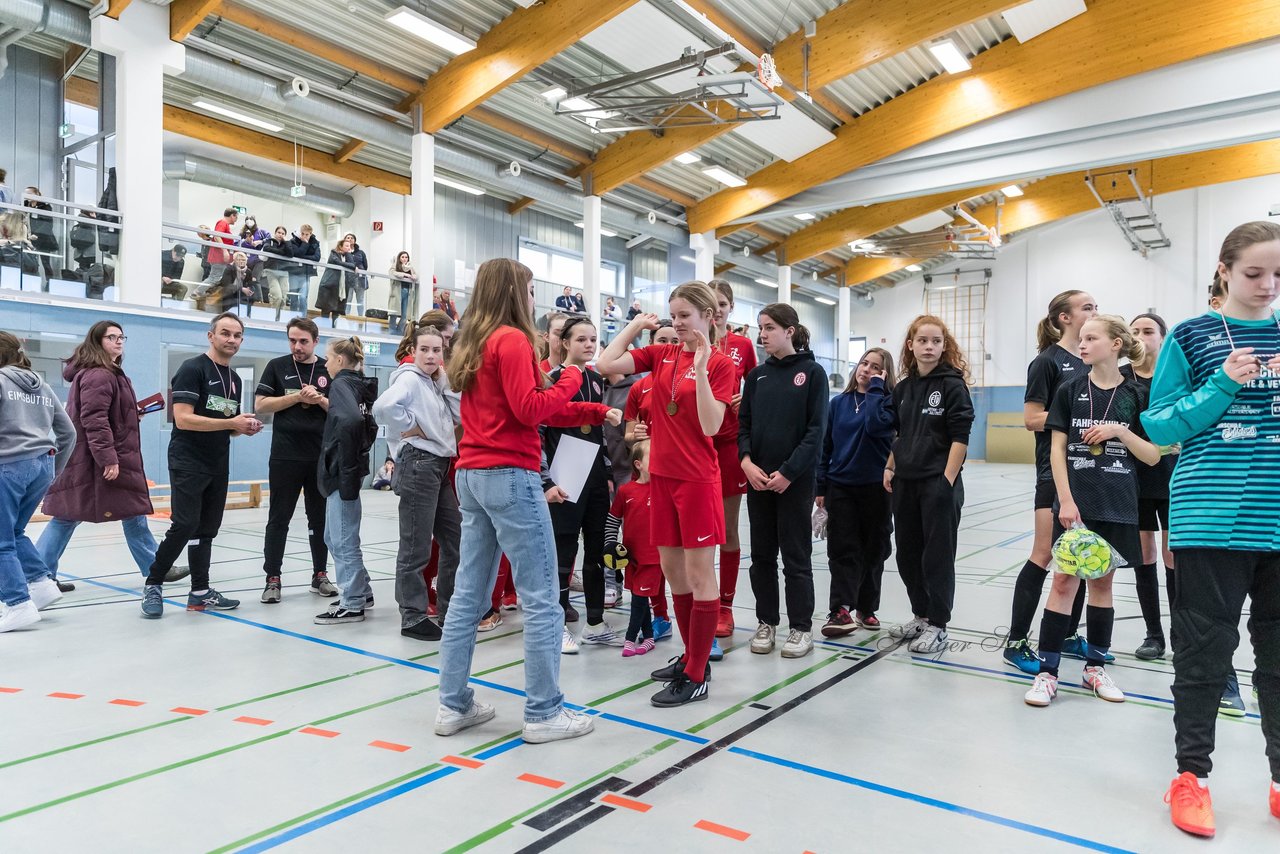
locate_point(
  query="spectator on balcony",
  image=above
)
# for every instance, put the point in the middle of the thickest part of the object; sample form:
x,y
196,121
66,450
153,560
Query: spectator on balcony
x,y
5,197
444,302
171,267
43,238
218,257
335,279
202,233
239,285
402,301
634,310
303,246
252,237
564,302
276,270
358,284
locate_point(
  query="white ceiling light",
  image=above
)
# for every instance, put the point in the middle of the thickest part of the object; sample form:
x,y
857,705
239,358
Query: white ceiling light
x,y
604,232
825,301
803,217
688,158
429,31
913,268
950,56
688,258
459,185
724,176
232,114
1012,191
768,283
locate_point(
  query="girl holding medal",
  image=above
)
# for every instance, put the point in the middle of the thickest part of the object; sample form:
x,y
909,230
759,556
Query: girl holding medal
x,y
1215,391
692,386
1097,447
587,515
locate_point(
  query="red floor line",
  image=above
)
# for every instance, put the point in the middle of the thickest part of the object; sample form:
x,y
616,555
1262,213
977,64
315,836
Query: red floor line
x,y
4,690
389,745
130,703
625,802
62,695
462,761
540,781
323,733
245,719
731,832
187,710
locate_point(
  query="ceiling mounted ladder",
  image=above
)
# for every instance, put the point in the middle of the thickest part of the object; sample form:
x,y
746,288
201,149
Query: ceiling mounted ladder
x,y
1134,215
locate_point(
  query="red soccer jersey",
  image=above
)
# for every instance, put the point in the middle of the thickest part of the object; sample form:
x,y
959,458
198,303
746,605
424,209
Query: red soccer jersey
x,y
743,354
631,505
637,408
679,448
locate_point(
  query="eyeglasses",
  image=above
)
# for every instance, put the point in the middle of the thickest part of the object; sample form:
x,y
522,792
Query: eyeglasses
x,y
120,338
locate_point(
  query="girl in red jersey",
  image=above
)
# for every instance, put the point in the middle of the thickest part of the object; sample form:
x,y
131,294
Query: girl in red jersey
x,y
733,483
630,512
504,399
692,386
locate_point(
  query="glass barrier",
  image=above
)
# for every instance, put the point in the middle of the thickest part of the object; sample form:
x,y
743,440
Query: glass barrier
x,y
52,246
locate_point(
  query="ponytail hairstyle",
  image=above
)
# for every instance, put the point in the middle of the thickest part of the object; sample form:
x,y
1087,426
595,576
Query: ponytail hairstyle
x,y
703,300
1114,327
11,352
1217,290
500,298
951,354
1048,332
409,341
784,314
350,349
886,359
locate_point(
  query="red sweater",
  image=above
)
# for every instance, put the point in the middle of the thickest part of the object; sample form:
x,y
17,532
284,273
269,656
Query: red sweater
x,y
506,402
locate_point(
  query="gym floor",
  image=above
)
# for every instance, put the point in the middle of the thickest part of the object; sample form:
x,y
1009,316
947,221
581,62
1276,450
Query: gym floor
x,y
256,729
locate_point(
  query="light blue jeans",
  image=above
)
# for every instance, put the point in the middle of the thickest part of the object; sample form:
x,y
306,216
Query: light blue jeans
x,y
342,536
504,511
22,486
53,542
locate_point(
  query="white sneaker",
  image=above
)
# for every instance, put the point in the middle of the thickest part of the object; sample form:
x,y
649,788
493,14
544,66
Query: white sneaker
x,y
567,724
575,582
798,645
931,640
1042,690
910,629
568,643
762,640
612,595
1103,687
44,592
601,634
19,616
449,722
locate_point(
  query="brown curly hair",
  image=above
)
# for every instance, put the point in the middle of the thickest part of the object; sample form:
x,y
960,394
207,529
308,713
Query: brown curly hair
x,y
951,354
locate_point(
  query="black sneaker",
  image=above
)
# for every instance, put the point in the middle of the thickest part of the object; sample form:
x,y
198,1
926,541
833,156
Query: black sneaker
x,y
271,593
423,631
322,586
338,614
571,614
680,691
1151,649
674,669
65,586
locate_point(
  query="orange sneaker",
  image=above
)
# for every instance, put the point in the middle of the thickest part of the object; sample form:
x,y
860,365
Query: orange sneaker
x,y
1275,800
1190,806
724,625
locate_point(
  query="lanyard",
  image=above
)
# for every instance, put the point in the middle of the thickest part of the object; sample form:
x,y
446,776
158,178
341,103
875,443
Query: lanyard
x,y
1097,449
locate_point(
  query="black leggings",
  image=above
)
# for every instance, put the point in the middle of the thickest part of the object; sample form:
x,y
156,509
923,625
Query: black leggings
x,y
859,528
595,513
641,624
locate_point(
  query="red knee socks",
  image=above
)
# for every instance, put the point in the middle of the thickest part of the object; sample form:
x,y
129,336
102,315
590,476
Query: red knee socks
x,y
729,562
682,604
702,631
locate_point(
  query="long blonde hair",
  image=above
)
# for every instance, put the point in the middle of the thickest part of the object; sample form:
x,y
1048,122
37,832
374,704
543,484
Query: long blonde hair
x,y
350,349
500,298
1116,327
703,299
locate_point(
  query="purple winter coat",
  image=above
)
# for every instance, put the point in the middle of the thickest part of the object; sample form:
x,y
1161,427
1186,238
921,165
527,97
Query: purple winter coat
x,y
104,408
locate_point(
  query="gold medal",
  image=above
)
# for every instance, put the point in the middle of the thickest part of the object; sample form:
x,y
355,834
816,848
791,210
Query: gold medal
x,y
586,429
1096,450
672,409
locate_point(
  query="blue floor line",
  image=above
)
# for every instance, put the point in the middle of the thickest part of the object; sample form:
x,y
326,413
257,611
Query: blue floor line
x,y
932,802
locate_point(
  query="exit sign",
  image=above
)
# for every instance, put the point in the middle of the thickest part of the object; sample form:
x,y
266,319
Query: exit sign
x,y
373,348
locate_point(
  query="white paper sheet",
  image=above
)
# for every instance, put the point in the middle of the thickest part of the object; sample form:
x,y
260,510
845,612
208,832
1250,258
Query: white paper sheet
x,y
572,465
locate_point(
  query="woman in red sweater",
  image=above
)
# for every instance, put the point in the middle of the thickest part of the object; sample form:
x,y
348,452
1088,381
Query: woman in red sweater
x,y
504,399
692,386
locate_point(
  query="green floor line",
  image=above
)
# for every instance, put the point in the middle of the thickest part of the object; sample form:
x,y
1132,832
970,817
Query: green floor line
x,y
223,751
1003,572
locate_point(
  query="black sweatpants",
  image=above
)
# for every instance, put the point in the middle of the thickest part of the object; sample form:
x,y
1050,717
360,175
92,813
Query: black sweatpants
x,y
196,508
1208,601
595,513
926,518
781,522
859,527
286,478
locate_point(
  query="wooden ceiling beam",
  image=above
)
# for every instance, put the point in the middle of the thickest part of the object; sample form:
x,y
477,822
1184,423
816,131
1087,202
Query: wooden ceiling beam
x,y
115,8
349,150
515,46
1114,39
859,271
186,15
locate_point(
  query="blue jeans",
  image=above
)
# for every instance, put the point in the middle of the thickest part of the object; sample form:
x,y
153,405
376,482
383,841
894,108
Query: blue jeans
x,y
22,486
504,511
299,290
53,542
342,536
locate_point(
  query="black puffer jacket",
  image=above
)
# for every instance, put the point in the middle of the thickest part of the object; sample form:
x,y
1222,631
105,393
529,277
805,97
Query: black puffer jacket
x,y
349,431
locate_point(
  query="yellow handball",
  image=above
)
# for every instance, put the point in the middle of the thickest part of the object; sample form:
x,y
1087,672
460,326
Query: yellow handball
x,y
1082,553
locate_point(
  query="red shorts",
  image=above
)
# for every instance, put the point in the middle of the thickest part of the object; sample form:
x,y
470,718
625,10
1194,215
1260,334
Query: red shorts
x,y
685,514
733,481
644,579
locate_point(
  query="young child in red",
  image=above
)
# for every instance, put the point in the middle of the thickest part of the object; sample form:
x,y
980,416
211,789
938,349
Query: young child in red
x,y
630,512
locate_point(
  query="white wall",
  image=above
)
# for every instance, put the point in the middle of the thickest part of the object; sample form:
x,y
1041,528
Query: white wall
x,y
1086,252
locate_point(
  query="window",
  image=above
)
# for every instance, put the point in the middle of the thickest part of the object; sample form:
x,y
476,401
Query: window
x,y
560,269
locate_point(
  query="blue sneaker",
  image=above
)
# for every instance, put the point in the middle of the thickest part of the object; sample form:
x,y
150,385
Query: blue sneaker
x,y
1023,657
1077,647
210,599
1231,704
661,629
152,602
716,652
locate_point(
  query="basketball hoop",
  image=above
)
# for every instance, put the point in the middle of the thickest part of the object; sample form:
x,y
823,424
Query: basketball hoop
x,y
767,71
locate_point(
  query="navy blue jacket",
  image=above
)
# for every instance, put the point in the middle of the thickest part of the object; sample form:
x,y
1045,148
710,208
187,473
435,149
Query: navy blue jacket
x,y
858,438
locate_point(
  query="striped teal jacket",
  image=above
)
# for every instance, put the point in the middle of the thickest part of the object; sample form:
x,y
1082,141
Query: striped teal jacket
x,y
1225,491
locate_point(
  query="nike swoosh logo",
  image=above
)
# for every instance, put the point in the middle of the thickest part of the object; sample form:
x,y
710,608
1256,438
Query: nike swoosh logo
x,y
645,390
667,361
707,537
288,377
744,483
214,382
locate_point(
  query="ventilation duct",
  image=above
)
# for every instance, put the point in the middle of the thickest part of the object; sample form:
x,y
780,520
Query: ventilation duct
x,y
56,18
202,170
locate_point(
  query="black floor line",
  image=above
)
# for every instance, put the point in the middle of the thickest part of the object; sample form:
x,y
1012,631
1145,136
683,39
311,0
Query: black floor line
x,y
586,819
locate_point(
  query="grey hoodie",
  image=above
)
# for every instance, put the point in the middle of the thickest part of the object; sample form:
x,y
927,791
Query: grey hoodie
x,y
29,411
413,399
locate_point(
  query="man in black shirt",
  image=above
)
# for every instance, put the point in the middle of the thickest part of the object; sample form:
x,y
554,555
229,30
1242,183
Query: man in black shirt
x,y
206,413
171,266
296,389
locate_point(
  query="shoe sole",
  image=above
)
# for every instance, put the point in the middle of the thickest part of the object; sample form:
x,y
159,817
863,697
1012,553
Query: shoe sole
x,y
147,616
564,651
1036,704
699,698
589,642
213,607
838,631
562,735
721,633
1141,656
270,600
487,628
1233,713
800,654
761,650
453,729
334,622
1108,699
324,595
930,651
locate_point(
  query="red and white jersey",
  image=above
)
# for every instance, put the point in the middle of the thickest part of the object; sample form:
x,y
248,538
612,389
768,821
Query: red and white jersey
x,y
680,450
742,352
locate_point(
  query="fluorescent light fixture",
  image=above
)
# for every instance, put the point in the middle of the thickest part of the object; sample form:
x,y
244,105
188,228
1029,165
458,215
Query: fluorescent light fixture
x,y
604,232
724,176
913,268
825,301
232,114
950,56
1012,191
459,185
768,283
555,93
429,31
803,217
689,258
688,158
